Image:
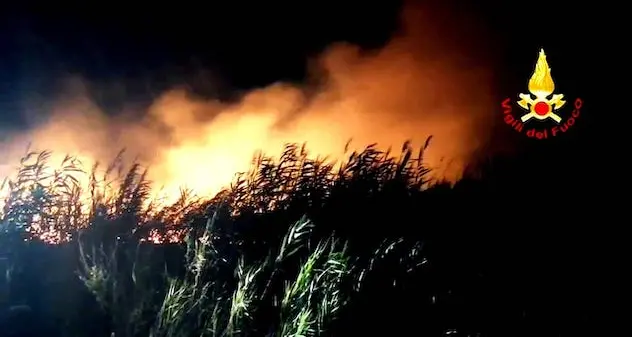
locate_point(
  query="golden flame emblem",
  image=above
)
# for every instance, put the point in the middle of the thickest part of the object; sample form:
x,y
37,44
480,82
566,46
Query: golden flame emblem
x,y
541,86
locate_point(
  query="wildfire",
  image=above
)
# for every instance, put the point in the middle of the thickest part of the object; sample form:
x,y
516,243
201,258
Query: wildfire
x,y
408,90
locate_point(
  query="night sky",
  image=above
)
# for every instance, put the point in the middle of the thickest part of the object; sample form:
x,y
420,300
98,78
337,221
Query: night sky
x,y
135,53
241,46
218,49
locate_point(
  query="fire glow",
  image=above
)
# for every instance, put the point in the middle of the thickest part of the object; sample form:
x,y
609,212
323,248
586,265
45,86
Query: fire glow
x,y
419,84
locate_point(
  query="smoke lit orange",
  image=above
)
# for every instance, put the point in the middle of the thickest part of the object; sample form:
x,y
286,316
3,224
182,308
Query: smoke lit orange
x,y
410,89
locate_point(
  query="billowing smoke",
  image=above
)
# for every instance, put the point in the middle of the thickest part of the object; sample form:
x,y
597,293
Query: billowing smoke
x,y
422,83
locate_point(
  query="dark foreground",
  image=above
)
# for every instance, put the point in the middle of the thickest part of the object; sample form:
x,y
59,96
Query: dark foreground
x,y
299,250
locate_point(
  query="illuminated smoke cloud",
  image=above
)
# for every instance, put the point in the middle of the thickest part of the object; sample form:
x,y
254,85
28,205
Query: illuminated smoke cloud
x,y
420,84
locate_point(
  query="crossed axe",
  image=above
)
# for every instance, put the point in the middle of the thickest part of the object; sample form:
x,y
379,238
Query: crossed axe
x,y
554,103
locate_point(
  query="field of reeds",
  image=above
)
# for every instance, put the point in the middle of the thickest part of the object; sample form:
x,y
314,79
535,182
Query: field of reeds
x,y
295,247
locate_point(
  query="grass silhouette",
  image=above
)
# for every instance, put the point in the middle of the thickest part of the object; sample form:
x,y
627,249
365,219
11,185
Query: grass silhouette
x,y
295,247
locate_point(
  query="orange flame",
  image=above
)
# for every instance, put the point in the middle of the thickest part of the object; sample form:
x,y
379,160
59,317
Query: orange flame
x,y
414,87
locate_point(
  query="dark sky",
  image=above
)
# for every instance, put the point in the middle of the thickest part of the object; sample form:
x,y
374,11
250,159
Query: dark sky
x,y
244,45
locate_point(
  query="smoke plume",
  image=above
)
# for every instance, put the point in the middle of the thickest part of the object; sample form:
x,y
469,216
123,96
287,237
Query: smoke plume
x,y
423,82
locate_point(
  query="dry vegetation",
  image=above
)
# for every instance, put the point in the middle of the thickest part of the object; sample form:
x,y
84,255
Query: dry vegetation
x,y
295,247
216,273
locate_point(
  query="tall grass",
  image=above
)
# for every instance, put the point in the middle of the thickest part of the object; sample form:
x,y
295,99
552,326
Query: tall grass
x,y
297,246
250,261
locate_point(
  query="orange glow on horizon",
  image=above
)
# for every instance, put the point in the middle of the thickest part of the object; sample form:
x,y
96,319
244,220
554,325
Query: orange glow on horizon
x,y
412,88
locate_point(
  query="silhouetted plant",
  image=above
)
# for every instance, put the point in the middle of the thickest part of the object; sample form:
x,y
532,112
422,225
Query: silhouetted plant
x,y
296,246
